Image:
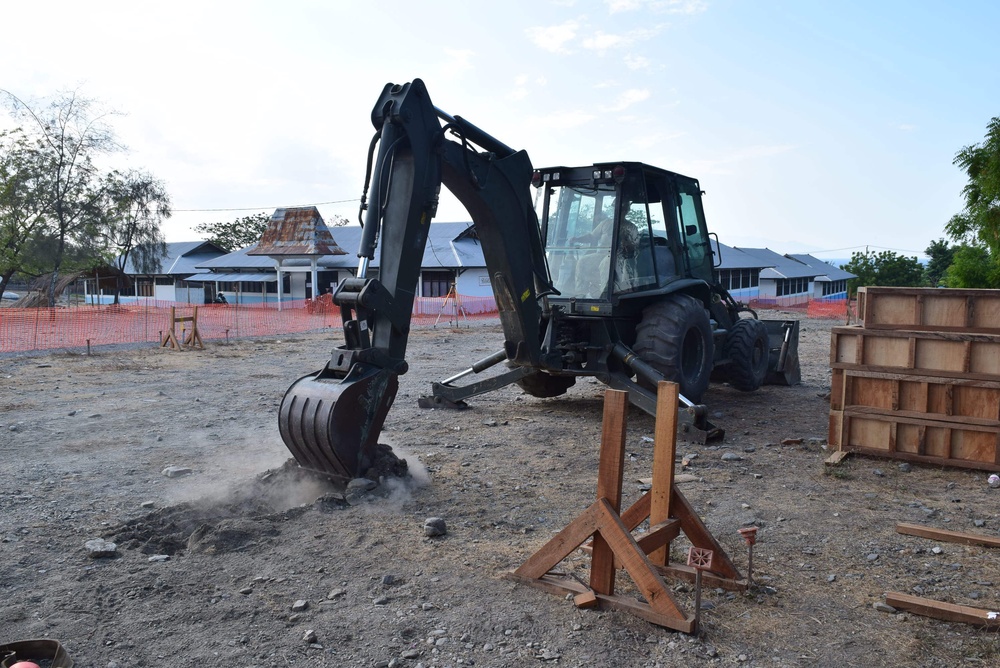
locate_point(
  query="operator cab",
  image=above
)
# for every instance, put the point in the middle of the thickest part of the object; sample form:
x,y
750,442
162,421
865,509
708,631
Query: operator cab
x,y
617,229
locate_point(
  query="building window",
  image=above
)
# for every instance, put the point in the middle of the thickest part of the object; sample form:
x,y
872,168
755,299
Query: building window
x,y
834,287
436,283
792,286
144,288
737,279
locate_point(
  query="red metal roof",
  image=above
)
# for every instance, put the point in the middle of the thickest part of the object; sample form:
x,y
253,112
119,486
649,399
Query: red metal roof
x,y
297,231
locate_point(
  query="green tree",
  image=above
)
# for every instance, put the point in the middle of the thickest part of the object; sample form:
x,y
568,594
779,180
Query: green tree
x,y
236,234
136,205
70,134
977,227
973,266
941,255
884,268
23,201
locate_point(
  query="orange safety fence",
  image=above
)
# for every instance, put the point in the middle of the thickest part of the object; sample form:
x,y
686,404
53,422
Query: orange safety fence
x,y
76,327
827,309
138,322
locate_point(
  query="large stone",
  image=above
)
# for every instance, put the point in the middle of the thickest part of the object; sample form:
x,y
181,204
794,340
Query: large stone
x,y
99,548
435,526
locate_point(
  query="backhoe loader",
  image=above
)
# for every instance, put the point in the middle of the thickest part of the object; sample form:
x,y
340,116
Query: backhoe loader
x,y
604,271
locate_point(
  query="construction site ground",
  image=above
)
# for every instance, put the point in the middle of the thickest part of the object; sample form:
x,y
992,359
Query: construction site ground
x,y
241,562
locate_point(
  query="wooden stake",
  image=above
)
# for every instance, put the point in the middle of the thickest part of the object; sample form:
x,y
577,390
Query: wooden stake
x,y
664,452
609,485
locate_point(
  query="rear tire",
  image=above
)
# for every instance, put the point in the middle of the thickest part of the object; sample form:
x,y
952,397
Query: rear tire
x,y
675,338
544,386
747,348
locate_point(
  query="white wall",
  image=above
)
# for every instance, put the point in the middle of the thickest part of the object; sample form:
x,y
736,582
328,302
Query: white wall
x,y
474,283
168,293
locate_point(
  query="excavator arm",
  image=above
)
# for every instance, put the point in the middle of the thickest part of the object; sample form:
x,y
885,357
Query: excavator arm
x,y
331,420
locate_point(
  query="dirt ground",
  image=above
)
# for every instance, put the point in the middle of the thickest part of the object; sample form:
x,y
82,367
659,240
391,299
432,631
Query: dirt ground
x,y
210,565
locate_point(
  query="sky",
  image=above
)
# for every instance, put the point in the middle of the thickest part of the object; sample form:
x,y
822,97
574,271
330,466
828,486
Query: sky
x,y
813,127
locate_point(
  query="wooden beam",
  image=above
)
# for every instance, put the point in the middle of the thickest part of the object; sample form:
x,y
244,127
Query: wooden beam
x,y
664,451
560,546
947,536
659,535
561,585
700,536
948,612
610,474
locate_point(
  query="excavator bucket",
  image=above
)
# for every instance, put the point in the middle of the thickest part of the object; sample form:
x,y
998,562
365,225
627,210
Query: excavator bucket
x,y
331,424
783,359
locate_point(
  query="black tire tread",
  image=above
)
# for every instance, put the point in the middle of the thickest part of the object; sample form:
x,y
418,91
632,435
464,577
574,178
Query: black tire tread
x,y
744,372
660,340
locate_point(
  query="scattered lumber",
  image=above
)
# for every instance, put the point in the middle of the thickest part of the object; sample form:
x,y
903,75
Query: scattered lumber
x,y
948,612
947,536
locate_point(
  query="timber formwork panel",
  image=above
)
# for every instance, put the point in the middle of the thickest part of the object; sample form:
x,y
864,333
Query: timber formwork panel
x,y
915,394
946,354
930,309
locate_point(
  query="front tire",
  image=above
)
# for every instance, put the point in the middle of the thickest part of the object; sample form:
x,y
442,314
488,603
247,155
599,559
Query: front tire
x,y
675,338
747,348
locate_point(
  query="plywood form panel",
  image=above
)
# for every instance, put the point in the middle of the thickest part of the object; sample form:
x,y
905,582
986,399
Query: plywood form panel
x,y
935,398
945,354
913,439
931,309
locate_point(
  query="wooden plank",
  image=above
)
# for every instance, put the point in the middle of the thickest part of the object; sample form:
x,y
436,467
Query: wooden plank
x,y
925,459
947,536
612,457
948,612
941,418
659,535
609,485
664,451
892,434
636,513
560,586
836,458
635,563
559,546
929,309
708,579
700,536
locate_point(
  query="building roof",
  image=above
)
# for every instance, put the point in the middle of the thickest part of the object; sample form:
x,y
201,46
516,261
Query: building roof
x,y
449,245
827,270
183,257
297,231
734,258
780,266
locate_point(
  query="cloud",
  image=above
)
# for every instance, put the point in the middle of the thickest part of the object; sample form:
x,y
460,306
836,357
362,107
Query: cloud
x,y
685,7
459,61
627,99
554,38
907,127
601,42
723,164
615,6
523,84
562,120
634,62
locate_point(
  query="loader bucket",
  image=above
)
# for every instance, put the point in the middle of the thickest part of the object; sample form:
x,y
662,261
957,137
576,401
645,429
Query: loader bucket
x,y
783,359
331,425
